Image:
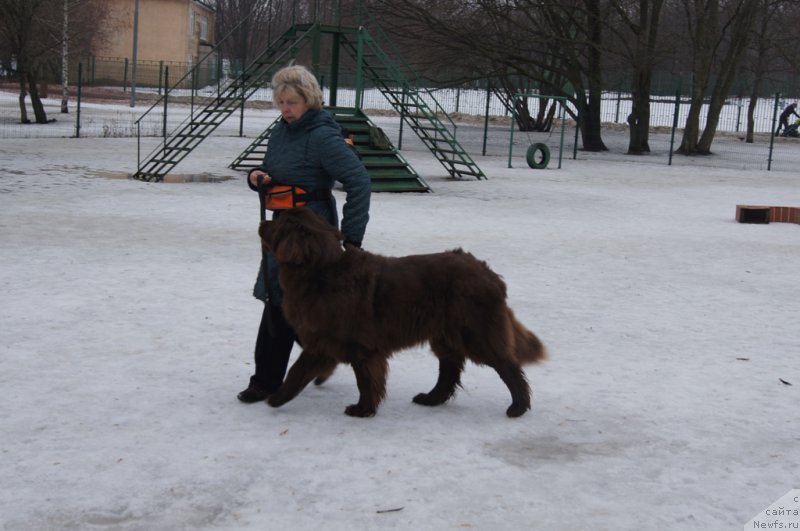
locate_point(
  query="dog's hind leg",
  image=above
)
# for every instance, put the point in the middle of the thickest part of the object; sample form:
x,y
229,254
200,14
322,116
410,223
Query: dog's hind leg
x,y
451,364
514,378
323,376
307,367
371,380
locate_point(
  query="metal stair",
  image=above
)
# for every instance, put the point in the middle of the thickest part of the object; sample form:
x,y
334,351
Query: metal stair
x,y
410,102
205,118
388,170
253,154
407,100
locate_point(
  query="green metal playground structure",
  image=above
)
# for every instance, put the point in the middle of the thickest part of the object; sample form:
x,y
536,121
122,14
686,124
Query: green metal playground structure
x,y
388,170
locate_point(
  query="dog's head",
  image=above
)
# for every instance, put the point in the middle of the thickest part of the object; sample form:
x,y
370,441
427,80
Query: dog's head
x,y
300,237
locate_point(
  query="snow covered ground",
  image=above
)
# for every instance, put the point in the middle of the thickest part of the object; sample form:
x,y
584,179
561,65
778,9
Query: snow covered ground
x,y
127,328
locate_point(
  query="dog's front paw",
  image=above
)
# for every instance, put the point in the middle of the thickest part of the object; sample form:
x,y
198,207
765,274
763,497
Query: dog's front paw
x,y
517,410
277,400
357,410
428,399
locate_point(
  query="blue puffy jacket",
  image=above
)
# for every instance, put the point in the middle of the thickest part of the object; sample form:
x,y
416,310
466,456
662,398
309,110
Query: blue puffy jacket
x,y
311,153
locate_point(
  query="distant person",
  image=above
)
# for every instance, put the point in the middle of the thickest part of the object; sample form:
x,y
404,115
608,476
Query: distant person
x,y
783,121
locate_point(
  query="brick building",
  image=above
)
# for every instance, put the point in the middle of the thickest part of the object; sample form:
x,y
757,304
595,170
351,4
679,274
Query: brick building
x,y
172,31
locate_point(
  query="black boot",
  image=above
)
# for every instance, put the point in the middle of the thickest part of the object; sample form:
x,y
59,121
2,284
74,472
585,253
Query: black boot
x,y
273,348
254,393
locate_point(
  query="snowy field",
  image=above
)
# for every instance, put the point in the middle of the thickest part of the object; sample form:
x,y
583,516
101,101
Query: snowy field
x,y
127,328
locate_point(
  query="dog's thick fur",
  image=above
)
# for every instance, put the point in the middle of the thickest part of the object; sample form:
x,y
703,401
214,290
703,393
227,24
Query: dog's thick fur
x,y
352,306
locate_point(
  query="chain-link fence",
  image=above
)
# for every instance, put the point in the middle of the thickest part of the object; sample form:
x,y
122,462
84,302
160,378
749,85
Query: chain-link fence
x,y
105,111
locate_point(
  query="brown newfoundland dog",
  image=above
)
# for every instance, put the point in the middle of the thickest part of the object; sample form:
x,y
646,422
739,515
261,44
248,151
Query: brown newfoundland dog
x,y
352,306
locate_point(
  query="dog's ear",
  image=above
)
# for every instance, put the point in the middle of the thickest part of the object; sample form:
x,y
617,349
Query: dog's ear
x,y
291,247
302,237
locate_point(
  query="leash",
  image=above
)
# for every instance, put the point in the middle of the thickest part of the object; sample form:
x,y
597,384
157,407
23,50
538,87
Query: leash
x,y
262,201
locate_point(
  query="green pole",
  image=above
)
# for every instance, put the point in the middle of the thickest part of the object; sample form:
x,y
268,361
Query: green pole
x,y
166,100
486,116
138,147
78,103
772,132
219,74
575,144
315,51
739,114
402,118
563,130
160,75
359,64
241,113
674,123
334,85
125,76
513,119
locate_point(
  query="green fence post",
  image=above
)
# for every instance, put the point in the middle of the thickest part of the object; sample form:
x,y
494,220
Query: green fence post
x,y
166,100
674,123
241,113
575,145
160,75
219,74
738,114
563,127
336,39
402,119
772,130
486,116
513,119
138,146
78,102
359,65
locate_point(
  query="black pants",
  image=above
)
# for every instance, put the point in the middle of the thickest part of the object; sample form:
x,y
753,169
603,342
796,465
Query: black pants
x,y
272,351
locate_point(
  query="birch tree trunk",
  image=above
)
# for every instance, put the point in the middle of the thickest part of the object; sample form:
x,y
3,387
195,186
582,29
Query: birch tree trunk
x,y
65,62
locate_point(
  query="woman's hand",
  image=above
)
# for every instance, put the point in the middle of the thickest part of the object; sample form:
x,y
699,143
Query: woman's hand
x,y
255,174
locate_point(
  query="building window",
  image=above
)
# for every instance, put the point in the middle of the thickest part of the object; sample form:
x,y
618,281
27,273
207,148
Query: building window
x,y
204,29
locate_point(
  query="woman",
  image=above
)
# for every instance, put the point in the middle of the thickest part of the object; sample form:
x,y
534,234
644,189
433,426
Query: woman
x,y
305,149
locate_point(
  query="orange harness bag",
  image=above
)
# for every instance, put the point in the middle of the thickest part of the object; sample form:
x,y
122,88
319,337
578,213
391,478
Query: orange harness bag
x,y
282,196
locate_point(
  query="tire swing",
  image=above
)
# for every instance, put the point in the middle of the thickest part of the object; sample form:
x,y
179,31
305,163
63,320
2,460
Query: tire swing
x,y
538,156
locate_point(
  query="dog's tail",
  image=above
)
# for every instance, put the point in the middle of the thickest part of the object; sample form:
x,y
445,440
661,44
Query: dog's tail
x,y
527,347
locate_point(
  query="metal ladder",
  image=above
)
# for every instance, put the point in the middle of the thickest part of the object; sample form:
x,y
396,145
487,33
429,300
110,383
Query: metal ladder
x,y
204,119
412,106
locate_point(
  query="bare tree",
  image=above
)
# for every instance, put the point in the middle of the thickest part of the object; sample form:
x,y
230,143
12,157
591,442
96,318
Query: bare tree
x,y
33,33
638,33
719,32
65,61
556,45
773,53
250,25
17,32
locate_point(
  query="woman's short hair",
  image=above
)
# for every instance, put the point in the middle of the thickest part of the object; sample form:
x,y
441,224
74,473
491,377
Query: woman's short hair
x,y
302,81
